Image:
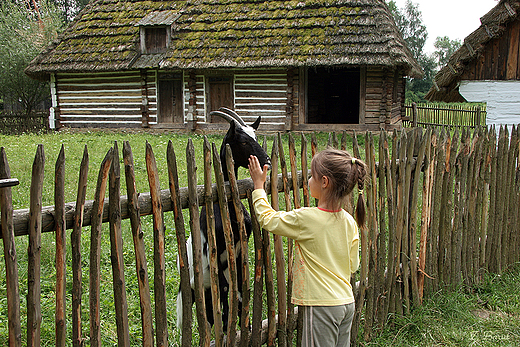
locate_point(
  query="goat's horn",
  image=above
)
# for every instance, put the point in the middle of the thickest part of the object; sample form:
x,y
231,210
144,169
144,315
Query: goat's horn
x,y
224,115
233,114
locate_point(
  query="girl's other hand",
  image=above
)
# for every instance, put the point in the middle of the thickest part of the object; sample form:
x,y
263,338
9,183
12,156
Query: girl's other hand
x,y
258,174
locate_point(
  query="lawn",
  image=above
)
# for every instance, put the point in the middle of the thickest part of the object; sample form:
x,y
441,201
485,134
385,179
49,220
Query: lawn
x,y
487,315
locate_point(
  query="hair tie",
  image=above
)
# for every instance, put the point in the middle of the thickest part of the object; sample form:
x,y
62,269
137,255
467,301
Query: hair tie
x,y
361,192
353,160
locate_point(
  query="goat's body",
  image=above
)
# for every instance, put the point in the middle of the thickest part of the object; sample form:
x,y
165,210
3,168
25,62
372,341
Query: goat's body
x,y
222,260
242,141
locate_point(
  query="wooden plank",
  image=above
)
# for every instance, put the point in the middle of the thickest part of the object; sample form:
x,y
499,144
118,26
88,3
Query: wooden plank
x,y
77,339
269,271
258,279
373,234
161,322
429,168
410,147
212,246
34,314
198,289
139,248
95,250
305,172
10,258
413,216
116,251
228,235
283,295
244,250
180,233
59,203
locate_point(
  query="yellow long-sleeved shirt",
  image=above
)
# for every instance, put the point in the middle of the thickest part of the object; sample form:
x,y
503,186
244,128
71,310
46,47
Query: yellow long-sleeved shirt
x,y
326,250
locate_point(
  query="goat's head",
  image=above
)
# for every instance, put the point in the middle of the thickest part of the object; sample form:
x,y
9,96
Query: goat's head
x,y
242,140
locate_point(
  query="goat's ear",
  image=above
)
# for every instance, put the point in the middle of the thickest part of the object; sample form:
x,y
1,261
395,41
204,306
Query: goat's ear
x,y
256,123
232,128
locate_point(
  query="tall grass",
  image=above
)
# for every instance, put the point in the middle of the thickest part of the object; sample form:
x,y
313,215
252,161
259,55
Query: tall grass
x,y
487,316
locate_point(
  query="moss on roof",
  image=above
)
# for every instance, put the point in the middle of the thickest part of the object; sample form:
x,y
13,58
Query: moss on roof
x,y
231,33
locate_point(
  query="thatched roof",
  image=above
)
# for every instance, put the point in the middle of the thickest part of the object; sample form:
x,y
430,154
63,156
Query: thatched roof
x,y
492,26
229,34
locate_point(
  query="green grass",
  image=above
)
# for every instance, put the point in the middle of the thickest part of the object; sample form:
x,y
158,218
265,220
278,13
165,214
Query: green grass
x,y
488,315
20,151
446,319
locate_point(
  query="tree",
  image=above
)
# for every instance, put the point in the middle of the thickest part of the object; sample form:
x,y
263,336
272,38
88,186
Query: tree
x,y
26,28
409,22
444,49
70,8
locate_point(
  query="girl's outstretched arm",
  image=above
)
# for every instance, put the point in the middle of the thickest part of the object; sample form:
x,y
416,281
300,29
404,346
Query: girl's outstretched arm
x,y
258,174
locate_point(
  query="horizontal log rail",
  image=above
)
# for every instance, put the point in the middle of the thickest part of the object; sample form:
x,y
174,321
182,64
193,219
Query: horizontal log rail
x,y
21,217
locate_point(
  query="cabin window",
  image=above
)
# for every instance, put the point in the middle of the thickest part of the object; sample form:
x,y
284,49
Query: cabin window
x,y
220,94
171,103
155,40
333,96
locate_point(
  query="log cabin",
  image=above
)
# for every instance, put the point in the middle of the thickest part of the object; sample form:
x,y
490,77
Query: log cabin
x,y
486,68
301,65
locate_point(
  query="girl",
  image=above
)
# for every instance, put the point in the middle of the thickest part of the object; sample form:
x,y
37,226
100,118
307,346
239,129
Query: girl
x,y
326,244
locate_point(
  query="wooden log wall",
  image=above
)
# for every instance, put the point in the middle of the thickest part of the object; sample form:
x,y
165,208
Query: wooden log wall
x,y
262,93
105,99
130,99
500,59
441,208
384,98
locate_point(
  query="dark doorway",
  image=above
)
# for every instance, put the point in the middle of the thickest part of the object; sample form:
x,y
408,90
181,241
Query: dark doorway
x,y
333,96
171,108
220,93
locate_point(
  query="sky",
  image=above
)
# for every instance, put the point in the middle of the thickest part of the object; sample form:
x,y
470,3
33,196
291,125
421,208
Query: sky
x,y
453,18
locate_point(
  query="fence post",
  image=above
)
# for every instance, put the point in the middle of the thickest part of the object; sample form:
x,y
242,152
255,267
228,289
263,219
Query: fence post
x,y
11,267
34,314
414,114
478,115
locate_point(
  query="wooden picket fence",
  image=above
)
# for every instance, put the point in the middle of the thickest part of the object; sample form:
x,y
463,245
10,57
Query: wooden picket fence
x,y
441,115
15,123
442,207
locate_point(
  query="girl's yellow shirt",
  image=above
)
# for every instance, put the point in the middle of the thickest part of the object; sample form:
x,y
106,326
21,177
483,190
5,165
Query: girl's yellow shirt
x,y
326,250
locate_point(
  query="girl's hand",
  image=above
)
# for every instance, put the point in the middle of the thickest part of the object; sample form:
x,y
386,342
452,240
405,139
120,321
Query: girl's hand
x,y
258,174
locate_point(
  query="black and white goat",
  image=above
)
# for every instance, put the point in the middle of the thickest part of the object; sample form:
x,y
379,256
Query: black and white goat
x,y
243,142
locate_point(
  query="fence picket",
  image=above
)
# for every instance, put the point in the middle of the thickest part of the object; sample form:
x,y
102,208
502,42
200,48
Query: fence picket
x,y
413,215
198,290
60,237
244,251
95,250
116,254
77,339
11,262
182,259
212,246
228,234
272,324
161,322
256,335
139,248
34,314
371,232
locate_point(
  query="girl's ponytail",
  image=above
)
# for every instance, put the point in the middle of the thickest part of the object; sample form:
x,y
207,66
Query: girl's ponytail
x,y
359,173
360,207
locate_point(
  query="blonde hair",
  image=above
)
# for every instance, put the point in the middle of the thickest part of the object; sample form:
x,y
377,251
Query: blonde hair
x,y
343,172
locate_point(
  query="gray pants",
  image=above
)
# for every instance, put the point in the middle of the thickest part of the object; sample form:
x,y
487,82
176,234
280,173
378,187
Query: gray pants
x,y
327,326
